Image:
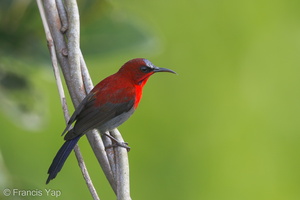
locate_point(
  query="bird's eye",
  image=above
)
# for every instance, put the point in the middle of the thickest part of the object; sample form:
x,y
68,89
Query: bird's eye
x,y
146,69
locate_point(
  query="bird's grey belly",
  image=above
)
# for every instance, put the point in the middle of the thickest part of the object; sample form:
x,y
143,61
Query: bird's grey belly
x,y
115,122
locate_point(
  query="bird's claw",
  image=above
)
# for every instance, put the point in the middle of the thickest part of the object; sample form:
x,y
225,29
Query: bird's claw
x,y
119,144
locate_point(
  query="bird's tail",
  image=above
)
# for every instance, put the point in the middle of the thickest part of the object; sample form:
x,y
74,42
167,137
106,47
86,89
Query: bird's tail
x,y
60,158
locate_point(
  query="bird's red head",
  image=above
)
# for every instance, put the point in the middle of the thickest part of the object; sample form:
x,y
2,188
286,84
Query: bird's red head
x,y
139,70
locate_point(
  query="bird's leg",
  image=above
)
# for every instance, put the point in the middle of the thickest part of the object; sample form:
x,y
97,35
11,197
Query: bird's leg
x,y
117,143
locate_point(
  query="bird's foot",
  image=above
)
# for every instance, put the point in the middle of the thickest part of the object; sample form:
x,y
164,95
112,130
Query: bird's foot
x,y
117,143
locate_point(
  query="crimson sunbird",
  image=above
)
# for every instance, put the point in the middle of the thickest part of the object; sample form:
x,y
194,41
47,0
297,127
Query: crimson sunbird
x,y
109,104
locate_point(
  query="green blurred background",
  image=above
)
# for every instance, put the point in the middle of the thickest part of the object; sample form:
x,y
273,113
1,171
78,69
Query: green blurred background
x,y
226,128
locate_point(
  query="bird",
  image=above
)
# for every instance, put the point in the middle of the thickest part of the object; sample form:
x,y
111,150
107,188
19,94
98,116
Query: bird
x,y
108,105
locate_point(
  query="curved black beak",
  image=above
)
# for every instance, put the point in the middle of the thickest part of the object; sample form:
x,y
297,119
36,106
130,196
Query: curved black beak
x,y
160,69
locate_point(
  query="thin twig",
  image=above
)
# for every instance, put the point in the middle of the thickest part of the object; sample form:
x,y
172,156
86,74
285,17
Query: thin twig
x,y
85,173
87,81
54,61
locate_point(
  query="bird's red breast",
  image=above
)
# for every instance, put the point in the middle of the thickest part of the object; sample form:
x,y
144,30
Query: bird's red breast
x,y
117,89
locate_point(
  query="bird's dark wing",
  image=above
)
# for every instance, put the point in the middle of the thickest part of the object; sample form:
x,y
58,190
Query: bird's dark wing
x,y
92,116
89,99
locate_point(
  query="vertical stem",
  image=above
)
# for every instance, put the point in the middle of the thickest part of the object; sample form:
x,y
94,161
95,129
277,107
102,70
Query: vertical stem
x,y
74,53
122,168
99,149
63,99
